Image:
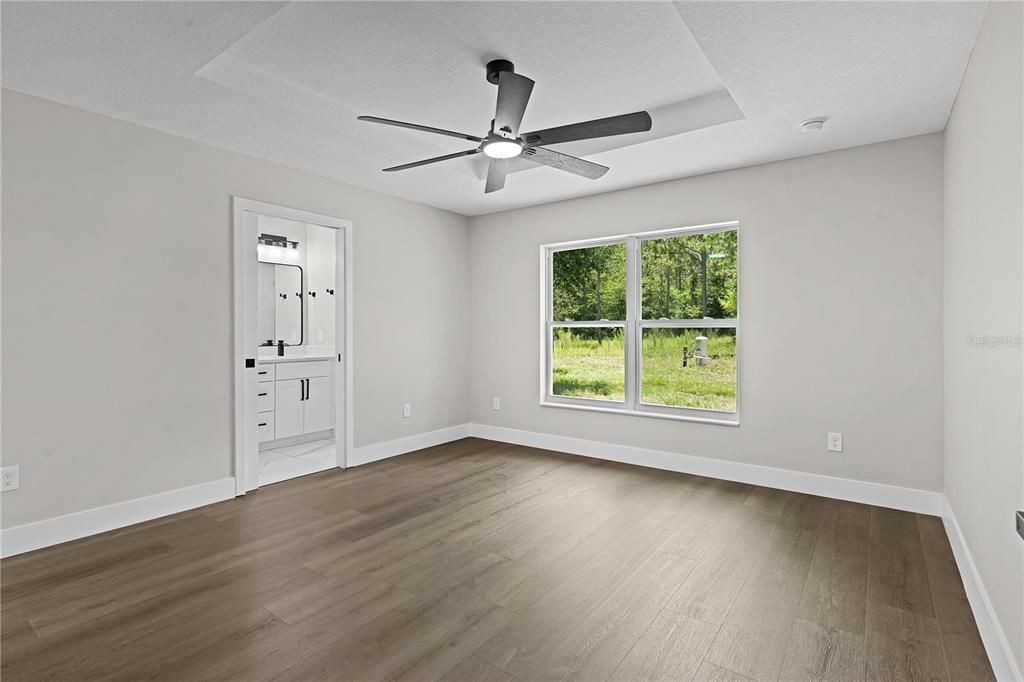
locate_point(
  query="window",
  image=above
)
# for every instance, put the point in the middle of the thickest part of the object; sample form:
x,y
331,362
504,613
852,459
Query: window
x,y
643,324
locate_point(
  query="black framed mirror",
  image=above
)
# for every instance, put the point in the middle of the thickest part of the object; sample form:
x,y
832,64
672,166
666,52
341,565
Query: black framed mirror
x,y
282,309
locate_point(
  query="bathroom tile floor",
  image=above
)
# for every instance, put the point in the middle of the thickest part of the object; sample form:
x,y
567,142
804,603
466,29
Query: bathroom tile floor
x,y
292,461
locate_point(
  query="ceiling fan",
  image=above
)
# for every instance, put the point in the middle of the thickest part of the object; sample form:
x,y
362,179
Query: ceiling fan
x,y
504,141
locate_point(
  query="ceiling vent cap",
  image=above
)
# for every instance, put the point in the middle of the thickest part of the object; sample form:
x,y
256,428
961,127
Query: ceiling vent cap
x,y
813,124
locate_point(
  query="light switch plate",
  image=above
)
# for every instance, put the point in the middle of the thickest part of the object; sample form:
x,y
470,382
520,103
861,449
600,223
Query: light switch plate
x,y
406,410
496,403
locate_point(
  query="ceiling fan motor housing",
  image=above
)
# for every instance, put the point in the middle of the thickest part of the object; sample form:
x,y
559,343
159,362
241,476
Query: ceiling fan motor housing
x,y
495,67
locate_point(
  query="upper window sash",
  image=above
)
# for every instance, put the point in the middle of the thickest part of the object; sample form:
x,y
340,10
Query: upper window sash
x,y
638,299
633,243
549,252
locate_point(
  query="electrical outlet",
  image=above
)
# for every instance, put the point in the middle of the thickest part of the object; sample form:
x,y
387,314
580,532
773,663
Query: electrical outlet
x,y
835,441
406,410
496,403
9,479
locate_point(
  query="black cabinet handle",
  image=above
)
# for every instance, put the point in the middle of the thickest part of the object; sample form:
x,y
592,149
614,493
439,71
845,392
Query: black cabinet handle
x,y
307,389
302,389
262,424
261,394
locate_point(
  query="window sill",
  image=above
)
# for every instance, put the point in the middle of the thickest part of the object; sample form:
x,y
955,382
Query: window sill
x,y
730,420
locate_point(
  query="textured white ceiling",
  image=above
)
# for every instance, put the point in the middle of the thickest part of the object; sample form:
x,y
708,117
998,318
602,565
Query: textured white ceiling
x,y
727,83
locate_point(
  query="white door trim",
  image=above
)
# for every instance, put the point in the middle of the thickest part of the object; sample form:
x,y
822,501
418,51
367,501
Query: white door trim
x,y
244,256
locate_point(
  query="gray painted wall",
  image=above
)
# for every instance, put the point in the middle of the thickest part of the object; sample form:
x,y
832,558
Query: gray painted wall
x,y
840,311
117,304
984,247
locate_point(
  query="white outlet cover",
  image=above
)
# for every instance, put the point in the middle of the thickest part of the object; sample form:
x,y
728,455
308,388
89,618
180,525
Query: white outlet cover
x,y
9,479
835,441
496,403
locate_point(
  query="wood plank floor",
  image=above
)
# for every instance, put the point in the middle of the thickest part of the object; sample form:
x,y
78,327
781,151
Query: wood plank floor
x,y
481,561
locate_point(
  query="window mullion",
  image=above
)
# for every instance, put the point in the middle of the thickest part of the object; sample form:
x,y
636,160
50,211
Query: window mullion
x,y
632,315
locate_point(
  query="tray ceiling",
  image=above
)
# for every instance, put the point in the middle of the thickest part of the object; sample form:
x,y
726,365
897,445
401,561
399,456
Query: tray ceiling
x,y
727,83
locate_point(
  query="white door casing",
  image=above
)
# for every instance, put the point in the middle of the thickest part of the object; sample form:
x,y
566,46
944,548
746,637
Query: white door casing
x,y
337,412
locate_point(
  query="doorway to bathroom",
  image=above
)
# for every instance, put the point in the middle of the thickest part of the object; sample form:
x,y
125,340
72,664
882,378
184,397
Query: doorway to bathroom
x,y
293,343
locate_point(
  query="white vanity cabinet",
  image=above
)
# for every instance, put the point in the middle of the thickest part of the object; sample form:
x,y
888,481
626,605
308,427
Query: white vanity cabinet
x,y
265,390
318,412
290,408
299,395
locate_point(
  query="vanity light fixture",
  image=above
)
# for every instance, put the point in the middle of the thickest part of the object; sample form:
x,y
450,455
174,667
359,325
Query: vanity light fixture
x,y
277,240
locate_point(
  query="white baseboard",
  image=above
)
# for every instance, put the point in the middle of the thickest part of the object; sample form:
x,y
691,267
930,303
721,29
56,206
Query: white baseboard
x,y
391,448
879,494
30,536
992,634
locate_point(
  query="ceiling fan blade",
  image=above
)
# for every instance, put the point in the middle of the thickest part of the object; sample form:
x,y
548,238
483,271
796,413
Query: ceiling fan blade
x,y
424,162
636,122
497,169
561,161
416,126
513,94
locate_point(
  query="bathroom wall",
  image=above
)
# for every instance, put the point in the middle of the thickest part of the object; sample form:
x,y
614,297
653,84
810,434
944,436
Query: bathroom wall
x,y
320,270
316,254
298,256
266,302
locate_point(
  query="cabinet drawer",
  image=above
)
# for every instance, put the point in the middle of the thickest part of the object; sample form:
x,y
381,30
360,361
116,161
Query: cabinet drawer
x,y
265,396
265,426
303,370
265,372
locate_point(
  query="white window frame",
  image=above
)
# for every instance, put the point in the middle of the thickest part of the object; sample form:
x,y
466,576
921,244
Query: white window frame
x,y
632,328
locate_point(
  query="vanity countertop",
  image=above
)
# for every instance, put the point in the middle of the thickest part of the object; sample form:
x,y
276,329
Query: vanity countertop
x,y
274,359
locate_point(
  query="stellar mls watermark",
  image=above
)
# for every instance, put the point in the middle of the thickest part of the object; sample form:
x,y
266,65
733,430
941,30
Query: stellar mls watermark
x,y
995,340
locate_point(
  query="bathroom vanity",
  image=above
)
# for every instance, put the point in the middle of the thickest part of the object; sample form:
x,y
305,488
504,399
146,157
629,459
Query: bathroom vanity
x,y
294,397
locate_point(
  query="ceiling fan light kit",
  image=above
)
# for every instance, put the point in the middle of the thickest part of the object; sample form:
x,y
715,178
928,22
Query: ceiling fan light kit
x,y
504,142
501,148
